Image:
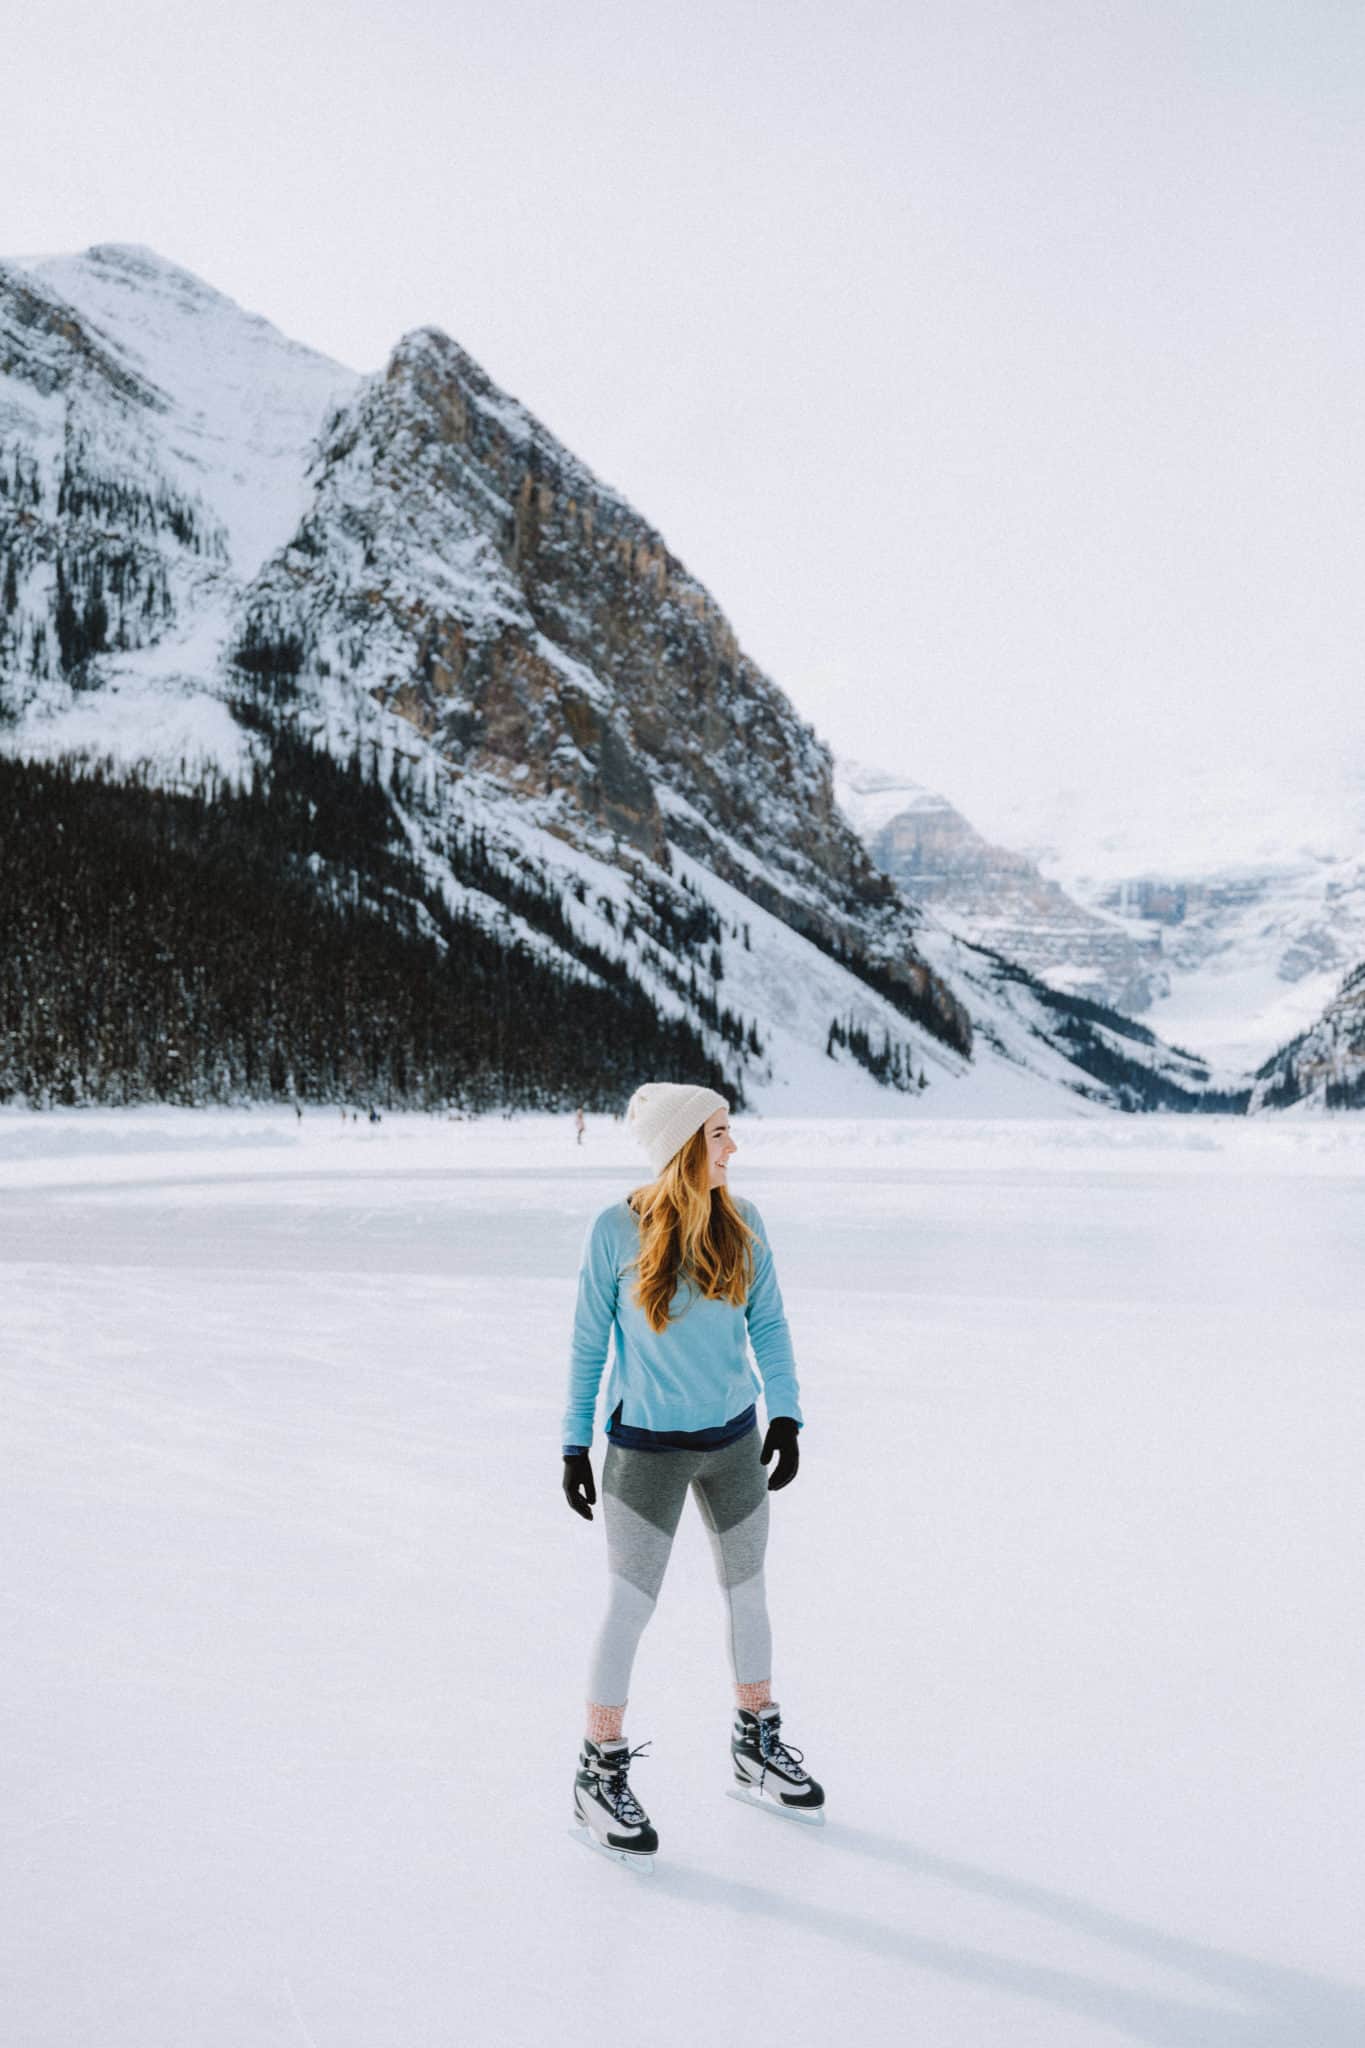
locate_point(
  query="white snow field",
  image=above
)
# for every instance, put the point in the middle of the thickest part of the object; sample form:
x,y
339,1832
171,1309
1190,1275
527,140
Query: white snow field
x,y
1067,1595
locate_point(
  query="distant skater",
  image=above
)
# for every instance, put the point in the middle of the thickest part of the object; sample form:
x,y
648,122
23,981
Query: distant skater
x,y
578,1122
680,1272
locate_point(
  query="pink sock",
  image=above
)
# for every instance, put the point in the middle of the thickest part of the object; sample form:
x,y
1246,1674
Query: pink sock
x,y
759,1694
604,1723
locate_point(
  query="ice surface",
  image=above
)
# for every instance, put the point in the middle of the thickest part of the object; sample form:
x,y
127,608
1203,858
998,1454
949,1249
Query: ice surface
x,y
1066,1595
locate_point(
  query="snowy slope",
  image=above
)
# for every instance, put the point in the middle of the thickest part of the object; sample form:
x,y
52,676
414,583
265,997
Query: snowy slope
x,y
169,393
993,896
246,403
219,540
1324,1066
1248,873
1222,905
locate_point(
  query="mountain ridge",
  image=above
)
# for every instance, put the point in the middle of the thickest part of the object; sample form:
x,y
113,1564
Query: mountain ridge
x,y
408,571
995,896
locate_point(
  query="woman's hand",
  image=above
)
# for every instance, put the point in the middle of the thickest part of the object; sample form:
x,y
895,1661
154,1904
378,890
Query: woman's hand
x,y
781,1438
578,1484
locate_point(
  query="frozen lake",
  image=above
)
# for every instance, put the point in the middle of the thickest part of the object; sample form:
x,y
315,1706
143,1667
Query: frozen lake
x,y
1066,1599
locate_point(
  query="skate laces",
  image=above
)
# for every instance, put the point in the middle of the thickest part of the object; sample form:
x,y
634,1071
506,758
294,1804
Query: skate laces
x,y
774,1750
624,1803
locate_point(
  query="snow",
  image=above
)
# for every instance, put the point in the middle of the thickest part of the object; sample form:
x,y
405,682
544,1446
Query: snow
x,y
1235,1014
871,797
1286,832
199,396
1192,816
159,708
1064,1596
796,991
1270,851
248,402
577,673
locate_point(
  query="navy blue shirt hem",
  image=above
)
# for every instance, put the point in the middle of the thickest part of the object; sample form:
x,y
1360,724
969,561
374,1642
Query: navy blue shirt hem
x,y
630,1438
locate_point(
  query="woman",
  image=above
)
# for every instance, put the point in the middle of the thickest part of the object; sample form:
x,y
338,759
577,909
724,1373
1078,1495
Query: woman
x,y
681,1272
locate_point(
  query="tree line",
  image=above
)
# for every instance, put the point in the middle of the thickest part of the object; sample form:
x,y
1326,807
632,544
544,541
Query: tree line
x,y
889,1063
277,942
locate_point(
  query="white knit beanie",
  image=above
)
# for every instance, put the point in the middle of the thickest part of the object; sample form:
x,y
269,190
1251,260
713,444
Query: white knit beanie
x,y
664,1114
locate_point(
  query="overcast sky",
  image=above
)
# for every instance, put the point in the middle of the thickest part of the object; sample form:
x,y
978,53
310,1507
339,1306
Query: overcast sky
x,y
998,367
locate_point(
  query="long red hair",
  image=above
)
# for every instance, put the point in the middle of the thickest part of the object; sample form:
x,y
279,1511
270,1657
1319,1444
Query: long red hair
x,y
689,1231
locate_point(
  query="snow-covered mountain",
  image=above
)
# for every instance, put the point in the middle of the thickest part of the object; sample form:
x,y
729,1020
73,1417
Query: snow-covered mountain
x,y
223,550
1247,872
994,896
1221,905
1323,1067
154,442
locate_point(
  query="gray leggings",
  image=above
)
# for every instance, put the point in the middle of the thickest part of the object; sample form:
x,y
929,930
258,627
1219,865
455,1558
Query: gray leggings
x,y
642,1501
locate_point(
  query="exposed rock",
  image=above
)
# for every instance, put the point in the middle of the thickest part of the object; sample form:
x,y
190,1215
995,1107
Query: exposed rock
x,y
470,571
1248,870
43,344
545,719
1324,1066
997,898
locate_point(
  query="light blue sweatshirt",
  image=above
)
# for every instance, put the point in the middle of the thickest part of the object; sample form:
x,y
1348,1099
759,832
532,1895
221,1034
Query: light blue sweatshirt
x,y
696,1374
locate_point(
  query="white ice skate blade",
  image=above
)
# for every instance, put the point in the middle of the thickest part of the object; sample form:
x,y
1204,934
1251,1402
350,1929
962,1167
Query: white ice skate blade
x,y
803,1819
638,1859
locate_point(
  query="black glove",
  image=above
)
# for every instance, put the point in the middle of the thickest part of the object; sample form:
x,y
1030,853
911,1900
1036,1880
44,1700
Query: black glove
x,y
781,1438
578,1486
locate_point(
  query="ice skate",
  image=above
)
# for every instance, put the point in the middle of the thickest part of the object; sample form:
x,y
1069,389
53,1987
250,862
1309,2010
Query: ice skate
x,y
768,1772
605,1810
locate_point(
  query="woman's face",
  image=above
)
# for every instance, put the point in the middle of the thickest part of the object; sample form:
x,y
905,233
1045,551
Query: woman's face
x,y
720,1146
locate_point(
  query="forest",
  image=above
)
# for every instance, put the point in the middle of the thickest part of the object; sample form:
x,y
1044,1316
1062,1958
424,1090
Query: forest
x,y
277,942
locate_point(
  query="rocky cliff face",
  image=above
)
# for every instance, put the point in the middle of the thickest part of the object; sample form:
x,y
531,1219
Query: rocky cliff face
x,y
1247,873
461,565
997,898
1297,924
226,562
